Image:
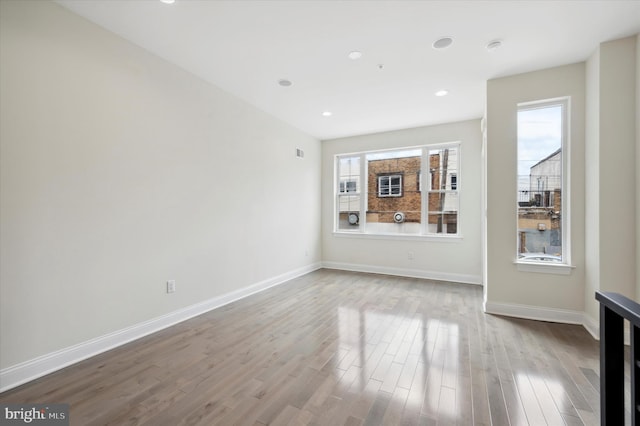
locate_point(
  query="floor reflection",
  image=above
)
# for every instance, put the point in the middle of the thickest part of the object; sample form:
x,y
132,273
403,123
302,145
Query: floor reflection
x,y
543,398
425,352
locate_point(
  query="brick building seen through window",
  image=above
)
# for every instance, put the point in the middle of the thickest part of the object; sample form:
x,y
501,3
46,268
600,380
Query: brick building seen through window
x,y
394,199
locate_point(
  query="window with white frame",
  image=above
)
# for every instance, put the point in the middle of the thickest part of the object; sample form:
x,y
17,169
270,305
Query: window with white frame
x,y
388,196
390,186
348,193
542,144
349,185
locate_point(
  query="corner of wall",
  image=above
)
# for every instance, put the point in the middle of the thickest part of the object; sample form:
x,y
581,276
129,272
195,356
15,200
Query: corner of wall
x,y
637,298
592,181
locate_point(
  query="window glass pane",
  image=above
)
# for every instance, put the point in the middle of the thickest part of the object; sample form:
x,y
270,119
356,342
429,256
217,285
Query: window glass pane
x,y
443,168
540,131
383,186
395,185
443,195
349,185
349,212
443,212
349,174
443,223
394,203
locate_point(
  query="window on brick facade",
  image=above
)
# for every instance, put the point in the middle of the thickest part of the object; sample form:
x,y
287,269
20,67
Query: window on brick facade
x,y
388,196
542,186
390,186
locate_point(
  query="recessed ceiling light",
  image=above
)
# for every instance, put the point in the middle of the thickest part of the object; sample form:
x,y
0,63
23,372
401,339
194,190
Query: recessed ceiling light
x,y
168,1
442,43
355,55
494,45
327,114
442,93
284,82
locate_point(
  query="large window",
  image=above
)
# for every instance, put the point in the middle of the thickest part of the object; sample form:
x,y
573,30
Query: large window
x,y
389,197
542,188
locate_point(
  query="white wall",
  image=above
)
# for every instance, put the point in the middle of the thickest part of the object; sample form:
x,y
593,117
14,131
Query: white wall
x,y
638,168
592,181
506,286
458,261
617,166
120,171
612,172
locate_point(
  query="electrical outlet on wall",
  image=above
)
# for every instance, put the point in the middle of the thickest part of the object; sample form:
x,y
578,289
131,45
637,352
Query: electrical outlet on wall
x,y
171,286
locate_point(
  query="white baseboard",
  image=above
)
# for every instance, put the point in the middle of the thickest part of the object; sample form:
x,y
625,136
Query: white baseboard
x,y
534,312
30,370
545,314
411,273
592,326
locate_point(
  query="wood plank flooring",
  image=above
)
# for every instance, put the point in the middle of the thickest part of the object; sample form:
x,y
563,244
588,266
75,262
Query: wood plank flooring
x,y
339,348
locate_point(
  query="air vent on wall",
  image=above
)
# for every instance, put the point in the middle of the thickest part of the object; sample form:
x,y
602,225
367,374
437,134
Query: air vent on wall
x,y
354,218
299,153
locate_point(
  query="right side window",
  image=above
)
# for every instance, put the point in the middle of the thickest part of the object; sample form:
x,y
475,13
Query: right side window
x,y
542,185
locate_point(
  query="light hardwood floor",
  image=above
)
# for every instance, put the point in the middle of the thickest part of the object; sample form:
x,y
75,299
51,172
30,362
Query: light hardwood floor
x,y
339,348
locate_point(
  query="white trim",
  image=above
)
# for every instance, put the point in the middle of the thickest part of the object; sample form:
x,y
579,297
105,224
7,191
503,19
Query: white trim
x,y
401,272
592,326
27,371
441,238
538,313
545,268
565,146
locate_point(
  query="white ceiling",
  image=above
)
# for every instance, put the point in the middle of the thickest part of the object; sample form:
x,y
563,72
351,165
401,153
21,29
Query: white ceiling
x,y
245,47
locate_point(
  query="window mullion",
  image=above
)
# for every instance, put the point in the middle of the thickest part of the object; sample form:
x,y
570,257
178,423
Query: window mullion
x,y
364,192
424,193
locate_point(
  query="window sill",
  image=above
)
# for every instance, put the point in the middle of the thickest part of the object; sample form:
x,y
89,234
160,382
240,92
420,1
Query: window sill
x,y
400,237
545,268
